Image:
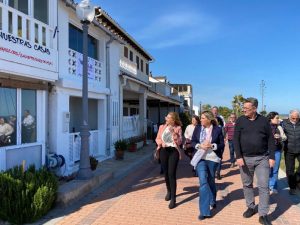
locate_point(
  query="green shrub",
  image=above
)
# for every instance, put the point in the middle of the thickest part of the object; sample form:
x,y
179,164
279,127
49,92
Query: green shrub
x,y
26,196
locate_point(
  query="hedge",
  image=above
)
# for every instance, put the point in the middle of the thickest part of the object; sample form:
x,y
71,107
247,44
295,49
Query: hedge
x,y
25,196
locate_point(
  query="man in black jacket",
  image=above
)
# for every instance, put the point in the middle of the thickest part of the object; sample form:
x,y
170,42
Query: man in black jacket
x,y
254,147
292,148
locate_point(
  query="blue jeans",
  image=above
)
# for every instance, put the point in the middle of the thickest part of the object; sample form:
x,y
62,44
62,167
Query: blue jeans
x,y
231,149
207,191
219,167
274,171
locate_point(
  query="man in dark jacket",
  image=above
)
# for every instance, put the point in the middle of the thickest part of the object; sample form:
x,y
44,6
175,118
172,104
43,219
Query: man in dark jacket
x,y
254,147
292,148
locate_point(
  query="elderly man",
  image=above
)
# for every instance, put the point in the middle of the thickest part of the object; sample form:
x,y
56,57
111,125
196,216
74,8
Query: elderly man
x,y
254,147
292,147
5,130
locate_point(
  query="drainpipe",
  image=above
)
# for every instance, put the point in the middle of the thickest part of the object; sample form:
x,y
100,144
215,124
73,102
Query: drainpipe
x,y
108,115
121,97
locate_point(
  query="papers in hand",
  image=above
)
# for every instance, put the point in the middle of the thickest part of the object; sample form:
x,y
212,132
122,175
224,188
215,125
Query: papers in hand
x,y
197,157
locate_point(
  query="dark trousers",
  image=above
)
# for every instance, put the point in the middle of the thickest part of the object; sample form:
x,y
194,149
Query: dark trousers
x,y
219,167
290,168
169,158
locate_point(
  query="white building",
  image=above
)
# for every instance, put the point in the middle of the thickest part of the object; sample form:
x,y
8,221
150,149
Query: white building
x,y
28,63
41,74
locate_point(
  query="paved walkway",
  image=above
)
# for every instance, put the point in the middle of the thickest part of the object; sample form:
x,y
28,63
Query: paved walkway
x,y
139,199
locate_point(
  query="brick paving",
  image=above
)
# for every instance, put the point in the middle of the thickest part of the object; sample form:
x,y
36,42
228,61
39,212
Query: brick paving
x,y
139,199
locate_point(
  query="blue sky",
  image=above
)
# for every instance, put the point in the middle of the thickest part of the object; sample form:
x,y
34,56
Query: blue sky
x,y
221,47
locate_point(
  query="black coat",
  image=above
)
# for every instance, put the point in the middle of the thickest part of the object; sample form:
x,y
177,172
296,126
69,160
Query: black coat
x,y
292,132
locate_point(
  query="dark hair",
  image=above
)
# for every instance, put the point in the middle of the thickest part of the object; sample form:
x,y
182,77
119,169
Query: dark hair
x,y
272,115
253,101
197,119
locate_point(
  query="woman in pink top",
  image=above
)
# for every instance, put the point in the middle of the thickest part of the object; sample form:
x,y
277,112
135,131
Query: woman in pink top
x,y
168,140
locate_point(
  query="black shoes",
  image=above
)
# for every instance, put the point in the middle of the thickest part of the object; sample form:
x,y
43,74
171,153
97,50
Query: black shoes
x,y
168,196
203,217
264,220
292,191
250,212
172,204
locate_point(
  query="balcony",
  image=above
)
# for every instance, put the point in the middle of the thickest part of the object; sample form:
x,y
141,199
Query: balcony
x,y
95,67
131,68
26,41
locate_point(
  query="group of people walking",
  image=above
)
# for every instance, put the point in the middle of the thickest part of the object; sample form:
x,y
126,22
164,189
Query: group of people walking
x,y
255,143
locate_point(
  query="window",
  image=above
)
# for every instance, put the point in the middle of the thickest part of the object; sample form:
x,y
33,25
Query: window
x,y
17,125
125,52
75,42
137,59
0,18
19,26
147,68
142,65
36,33
28,116
10,23
8,116
41,10
21,5
131,56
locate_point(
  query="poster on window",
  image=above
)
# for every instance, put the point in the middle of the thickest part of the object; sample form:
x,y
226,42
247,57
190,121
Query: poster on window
x,y
91,66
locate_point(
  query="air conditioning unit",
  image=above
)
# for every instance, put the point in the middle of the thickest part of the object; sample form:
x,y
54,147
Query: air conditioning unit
x,y
55,161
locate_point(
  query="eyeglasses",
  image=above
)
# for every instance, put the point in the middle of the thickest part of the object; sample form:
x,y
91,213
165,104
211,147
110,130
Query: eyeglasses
x,y
247,109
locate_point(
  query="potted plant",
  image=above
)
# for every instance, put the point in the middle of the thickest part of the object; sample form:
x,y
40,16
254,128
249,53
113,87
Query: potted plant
x,y
93,162
120,147
132,146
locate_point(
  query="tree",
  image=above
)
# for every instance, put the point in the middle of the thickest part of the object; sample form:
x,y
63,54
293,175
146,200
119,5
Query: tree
x,y
224,111
206,107
264,112
237,104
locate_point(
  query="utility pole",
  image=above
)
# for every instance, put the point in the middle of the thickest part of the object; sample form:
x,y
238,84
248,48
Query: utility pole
x,y
262,91
200,108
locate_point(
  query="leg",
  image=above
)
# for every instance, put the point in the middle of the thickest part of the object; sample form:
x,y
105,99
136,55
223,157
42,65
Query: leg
x,y
274,171
219,167
212,167
204,192
247,172
262,171
164,160
172,169
231,149
290,169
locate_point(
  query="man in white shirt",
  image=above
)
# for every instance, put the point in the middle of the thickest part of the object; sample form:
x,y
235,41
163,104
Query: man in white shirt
x,y
5,130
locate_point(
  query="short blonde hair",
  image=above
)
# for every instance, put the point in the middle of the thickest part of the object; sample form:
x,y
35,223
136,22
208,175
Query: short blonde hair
x,y
210,116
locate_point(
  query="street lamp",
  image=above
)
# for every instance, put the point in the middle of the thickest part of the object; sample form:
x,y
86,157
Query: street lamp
x,y
85,12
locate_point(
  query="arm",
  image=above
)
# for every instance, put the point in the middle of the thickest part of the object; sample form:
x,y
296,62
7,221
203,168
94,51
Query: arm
x,y
9,129
271,141
237,140
195,138
282,134
177,136
158,139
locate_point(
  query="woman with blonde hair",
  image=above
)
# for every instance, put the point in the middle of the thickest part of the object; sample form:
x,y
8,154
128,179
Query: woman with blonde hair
x,y
208,140
168,140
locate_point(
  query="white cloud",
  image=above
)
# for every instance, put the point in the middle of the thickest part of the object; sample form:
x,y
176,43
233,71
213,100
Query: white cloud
x,y
179,28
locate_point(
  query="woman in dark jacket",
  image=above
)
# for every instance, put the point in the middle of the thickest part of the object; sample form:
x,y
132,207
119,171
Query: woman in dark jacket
x,y
208,140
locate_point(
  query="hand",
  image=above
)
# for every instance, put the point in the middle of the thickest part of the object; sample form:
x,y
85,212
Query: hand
x,y
206,145
276,136
240,162
271,163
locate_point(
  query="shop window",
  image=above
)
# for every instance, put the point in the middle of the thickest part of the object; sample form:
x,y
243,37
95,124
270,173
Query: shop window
x,y
41,10
10,22
8,116
142,65
147,68
28,116
19,26
0,18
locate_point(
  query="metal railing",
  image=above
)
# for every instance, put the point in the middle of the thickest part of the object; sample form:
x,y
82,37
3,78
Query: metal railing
x,y
75,145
